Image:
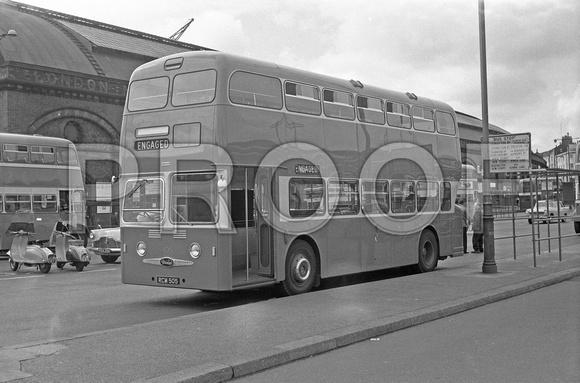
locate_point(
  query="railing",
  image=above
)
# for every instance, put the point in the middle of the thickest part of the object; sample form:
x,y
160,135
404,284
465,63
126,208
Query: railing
x,y
557,214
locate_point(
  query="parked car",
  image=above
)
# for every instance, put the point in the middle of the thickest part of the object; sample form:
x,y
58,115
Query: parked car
x,y
107,244
546,211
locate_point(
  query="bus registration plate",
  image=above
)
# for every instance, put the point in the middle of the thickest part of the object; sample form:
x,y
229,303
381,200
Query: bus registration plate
x,y
168,280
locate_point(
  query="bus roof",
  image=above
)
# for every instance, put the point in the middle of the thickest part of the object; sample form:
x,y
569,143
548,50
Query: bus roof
x,y
228,63
33,139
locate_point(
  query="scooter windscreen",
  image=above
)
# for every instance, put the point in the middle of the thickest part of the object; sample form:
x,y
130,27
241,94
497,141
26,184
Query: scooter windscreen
x,y
23,221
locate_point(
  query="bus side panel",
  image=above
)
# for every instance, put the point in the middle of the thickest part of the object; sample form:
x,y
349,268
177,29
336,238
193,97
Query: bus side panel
x,y
381,250
374,247
208,272
404,249
343,246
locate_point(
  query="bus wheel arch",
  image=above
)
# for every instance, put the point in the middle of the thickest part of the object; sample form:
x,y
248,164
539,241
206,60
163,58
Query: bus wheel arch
x,y
301,267
428,251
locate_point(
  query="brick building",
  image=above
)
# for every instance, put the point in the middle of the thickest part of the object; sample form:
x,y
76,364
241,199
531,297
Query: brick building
x,y
66,76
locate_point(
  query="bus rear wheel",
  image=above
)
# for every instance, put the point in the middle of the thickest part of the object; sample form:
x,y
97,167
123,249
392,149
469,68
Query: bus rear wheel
x,y
428,252
301,269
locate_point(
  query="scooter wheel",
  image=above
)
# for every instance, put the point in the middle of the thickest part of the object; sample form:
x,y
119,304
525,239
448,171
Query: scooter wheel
x,y
60,265
80,267
14,265
44,267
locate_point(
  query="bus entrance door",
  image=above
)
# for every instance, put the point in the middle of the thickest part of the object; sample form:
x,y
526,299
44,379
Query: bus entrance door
x,y
264,229
252,242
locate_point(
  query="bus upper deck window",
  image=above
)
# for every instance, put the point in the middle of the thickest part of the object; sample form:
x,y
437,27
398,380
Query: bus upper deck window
x,y
445,123
148,94
256,90
423,119
302,98
42,155
66,156
398,115
370,110
338,104
15,153
194,88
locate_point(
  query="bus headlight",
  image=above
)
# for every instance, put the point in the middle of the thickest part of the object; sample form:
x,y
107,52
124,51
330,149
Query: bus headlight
x,y
195,250
141,248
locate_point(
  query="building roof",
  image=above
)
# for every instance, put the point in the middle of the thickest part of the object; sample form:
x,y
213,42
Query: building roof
x,y
467,120
59,41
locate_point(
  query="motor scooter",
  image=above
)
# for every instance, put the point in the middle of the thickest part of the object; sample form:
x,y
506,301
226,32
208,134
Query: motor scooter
x,y
70,245
23,251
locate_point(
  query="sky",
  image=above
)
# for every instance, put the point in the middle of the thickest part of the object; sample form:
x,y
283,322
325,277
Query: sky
x,y
427,47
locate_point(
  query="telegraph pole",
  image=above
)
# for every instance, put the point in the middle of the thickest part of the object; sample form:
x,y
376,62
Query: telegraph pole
x,y
489,265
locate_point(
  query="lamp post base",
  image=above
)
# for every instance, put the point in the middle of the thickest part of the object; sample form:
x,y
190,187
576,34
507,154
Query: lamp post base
x,y
489,267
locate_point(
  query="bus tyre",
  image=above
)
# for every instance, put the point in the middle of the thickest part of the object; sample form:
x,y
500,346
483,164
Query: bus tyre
x,y
428,252
44,267
301,269
577,227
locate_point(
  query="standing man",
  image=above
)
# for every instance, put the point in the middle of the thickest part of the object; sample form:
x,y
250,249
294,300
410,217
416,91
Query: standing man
x,y
477,226
465,223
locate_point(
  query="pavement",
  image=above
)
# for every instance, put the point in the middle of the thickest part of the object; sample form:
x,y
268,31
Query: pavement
x,y
220,345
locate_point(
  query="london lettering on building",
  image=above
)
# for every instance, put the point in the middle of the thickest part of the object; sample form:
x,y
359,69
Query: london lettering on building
x,y
65,81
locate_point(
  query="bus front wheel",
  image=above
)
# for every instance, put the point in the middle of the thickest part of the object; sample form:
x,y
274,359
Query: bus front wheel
x,y
301,269
428,252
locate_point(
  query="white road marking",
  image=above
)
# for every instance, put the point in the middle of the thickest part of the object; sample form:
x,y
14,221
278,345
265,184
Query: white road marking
x,y
12,278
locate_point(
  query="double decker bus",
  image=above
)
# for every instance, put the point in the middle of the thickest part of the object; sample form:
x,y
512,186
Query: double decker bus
x,y
541,187
42,175
245,173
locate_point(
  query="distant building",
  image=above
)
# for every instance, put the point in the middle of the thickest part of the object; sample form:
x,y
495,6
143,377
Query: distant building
x,y
562,155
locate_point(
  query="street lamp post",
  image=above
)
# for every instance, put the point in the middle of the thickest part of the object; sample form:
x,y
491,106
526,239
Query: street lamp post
x,y
489,264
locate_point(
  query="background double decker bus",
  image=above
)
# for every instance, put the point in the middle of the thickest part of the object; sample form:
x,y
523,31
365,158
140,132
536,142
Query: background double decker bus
x,y
42,175
248,173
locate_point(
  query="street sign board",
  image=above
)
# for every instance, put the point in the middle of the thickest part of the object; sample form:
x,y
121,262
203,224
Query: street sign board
x,y
510,153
